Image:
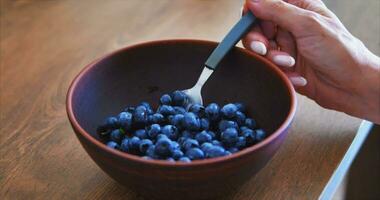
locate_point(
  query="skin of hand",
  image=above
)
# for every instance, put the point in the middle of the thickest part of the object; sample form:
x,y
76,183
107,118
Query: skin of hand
x,y
319,55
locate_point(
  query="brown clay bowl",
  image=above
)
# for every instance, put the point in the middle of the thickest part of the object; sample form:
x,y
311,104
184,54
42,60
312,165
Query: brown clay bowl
x,y
144,72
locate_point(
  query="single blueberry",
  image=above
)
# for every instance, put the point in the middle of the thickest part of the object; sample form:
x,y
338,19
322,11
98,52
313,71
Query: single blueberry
x,y
175,145
240,118
184,159
233,150
190,143
130,109
179,98
229,136
146,158
249,135
166,110
177,154
163,147
148,107
141,133
229,110
161,136
169,118
187,134
112,145
116,135
205,124
165,99
250,123
151,152
124,145
241,143
157,118
144,145
216,143
111,123
170,159
212,134
179,110
215,151
170,131
140,116
195,153
242,128
203,137
125,120
177,120
191,121
206,146
197,109
240,107
181,140
260,135
153,130
133,143
212,111
224,124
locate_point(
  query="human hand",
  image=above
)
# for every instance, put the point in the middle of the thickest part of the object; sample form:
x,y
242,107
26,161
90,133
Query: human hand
x,y
318,54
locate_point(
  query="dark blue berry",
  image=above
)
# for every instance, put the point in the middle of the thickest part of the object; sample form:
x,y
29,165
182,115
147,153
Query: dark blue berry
x,y
205,124
151,152
215,151
184,159
233,150
111,123
216,143
229,110
187,134
190,143
250,123
170,159
124,146
153,130
212,134
116,135
141,133
166,99
140,116
241,143
212,111
229,136
203,137
146,158
206,146
125,120
179,110
177,120
260,135
148,107
191,121
133,143
249,135
179,98
161,136
240,107
166,110
177,154
144,145
130,109
112,145
197,109
163,147
224,124
195,154
170,131
157,118
240,118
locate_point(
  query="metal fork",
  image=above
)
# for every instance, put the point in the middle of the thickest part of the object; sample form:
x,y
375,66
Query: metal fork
x,y
228,42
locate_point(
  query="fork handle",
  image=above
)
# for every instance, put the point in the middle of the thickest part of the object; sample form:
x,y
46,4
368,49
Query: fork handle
x,y
230,40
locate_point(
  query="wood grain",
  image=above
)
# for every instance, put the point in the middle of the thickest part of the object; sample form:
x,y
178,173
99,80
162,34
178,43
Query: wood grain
x,y
45,43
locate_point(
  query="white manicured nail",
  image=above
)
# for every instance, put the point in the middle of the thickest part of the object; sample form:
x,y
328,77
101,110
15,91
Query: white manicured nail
x,y
298,80
259,47
284,60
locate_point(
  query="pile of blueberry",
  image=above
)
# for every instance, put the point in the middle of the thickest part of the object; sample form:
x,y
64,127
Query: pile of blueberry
x,y
181,132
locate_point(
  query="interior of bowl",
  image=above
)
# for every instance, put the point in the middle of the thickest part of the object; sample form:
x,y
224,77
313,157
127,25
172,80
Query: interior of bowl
x,y
144,72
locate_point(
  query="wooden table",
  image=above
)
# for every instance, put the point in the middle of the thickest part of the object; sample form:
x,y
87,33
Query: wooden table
x,y
45,43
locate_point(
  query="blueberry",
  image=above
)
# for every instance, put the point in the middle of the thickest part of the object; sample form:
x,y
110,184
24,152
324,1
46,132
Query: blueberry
x,y
166,110
212,134
197,109
148,107
206,146
260,135
249,135
181,140
177,154
161,136
224,124
190,143
141,133
212,111
125,120
179,110
177,120
116,135
151,151
191,121
175,145
229,110
165,99
111,123
228,153
205,124
240,118
170,131
216,143
250,123
215,151
184,159
146,158
157,118
179,98
240,107
203,137
153,130
195,154
163,147
241,143
229,136
140,116
130,109
187,134
133,143
124,146
233,150
170,159
242,128
112,145
144,145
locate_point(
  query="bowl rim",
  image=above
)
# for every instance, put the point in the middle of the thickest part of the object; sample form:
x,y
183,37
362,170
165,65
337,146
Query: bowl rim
x,y
281,130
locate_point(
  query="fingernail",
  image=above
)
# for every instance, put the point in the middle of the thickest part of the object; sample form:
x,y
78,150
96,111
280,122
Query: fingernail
x,y
298,81
284,60
259,47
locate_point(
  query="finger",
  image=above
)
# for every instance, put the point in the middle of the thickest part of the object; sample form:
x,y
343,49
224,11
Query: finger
x,y
268,28
286,42
256,41
273,45
282,59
